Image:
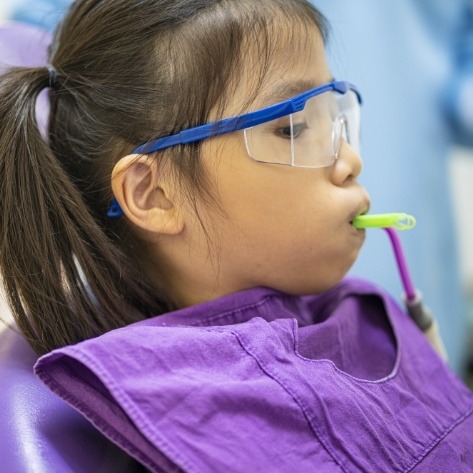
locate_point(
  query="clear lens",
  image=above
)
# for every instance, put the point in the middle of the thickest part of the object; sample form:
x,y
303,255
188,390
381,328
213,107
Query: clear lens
x,y
311,137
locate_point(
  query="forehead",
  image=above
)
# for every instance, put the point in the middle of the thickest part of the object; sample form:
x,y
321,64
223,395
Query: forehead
x,y
291,61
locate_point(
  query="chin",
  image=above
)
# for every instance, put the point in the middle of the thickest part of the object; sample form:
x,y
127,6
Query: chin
x,y
309,287
335,275
317,278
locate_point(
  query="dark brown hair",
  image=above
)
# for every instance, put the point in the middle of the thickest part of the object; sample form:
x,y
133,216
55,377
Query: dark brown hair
x,y
127,71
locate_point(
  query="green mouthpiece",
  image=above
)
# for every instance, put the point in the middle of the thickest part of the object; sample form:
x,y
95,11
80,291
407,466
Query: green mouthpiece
x,y
399,221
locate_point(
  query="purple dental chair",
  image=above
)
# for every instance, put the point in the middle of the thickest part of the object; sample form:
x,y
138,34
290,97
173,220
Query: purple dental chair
x,y
38,431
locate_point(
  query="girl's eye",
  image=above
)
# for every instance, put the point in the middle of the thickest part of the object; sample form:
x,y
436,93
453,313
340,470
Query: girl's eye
x,y
297,130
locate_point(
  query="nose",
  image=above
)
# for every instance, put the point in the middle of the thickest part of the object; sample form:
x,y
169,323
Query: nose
x,y
347,167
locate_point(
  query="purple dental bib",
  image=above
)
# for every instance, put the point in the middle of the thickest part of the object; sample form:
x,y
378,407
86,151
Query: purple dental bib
x,y
261,381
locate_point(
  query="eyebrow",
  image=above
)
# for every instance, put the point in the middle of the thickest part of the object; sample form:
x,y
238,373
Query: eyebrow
x,y
287,89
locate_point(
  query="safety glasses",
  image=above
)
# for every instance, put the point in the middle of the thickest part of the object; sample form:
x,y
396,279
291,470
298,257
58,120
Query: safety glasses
x,y
304,131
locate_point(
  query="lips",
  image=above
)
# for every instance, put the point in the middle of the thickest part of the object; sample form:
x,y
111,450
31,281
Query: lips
x,y
361,209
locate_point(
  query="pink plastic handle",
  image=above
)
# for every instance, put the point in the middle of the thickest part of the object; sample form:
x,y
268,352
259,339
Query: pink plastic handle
x,y
402,267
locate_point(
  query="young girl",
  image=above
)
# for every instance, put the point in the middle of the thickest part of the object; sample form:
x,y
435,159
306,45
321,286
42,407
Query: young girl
x,y
200,178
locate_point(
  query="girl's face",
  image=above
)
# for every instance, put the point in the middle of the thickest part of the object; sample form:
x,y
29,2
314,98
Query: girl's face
x,y
285,227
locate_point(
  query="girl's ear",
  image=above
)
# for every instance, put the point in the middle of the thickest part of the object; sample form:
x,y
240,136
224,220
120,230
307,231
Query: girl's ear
x,y
147,195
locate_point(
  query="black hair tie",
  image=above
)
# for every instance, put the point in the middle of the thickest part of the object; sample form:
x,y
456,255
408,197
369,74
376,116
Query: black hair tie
x,y
52,76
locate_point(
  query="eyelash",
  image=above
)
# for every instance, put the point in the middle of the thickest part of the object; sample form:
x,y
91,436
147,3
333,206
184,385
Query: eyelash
x,y
298,128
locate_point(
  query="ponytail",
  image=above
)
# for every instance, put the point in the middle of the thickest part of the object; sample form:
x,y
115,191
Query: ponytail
x,y
48,235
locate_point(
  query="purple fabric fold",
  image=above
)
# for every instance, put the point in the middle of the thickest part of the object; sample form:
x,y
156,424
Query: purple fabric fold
x,y
264,381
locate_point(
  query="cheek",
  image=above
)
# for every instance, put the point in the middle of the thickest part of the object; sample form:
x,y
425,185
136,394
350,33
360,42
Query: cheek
x,y
255,193
298,249
284,227
278,230
304,258
283,211
273,205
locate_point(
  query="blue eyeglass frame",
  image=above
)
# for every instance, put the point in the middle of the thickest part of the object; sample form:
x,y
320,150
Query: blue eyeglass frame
x,y
239,122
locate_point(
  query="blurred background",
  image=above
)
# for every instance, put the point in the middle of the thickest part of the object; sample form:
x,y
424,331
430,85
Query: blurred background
x,y
413,63
403,56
